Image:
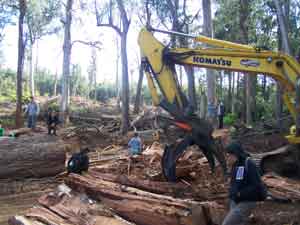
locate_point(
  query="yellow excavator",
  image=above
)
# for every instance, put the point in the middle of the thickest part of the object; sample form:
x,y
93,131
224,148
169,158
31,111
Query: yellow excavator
x,y
159,62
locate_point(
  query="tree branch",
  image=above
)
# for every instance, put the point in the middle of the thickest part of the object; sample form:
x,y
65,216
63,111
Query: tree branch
x,y
94,44
117,29
110,24
125,20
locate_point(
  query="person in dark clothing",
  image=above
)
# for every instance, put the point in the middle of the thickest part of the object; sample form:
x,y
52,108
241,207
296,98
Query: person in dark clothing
x,y
52,122
246,187
221,112
79,162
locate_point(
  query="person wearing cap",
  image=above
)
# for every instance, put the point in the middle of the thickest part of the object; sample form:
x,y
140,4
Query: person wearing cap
x,y
79,162
246,187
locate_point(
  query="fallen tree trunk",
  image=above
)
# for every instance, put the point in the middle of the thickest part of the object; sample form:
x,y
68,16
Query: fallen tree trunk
x,y
173,189
282,187
146,208
31,157
60,207
283,161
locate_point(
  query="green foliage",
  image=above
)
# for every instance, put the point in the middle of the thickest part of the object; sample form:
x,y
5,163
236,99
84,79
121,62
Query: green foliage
x,y
6,16
42,18
8,122
146,95
230,119
104,92
44,80
78,82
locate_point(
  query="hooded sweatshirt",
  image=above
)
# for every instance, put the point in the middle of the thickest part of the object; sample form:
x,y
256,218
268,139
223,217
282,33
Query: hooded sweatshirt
x,y
246,184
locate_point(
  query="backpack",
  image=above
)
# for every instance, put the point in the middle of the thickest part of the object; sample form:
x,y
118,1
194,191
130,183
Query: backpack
x,y
78,163
262,191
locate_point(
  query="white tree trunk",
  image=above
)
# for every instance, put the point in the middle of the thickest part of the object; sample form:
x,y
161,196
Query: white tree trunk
x,y
210,74
283,28
31,74
66,63
21,50
233,110
285,46
125,84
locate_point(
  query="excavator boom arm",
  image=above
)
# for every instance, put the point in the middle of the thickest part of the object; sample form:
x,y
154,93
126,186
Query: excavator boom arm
x,y
159,65
233,57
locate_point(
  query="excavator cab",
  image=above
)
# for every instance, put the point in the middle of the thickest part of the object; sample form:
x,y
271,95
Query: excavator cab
x,y
159,66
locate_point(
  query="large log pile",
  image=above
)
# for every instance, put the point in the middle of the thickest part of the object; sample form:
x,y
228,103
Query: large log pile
x,y
69,208
143,207
31,156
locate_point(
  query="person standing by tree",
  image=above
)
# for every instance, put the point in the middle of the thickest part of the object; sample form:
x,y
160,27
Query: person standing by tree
x,y
246,187
221,112
32,112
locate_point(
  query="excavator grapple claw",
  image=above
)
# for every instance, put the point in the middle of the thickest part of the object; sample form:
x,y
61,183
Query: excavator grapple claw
x,y
173,152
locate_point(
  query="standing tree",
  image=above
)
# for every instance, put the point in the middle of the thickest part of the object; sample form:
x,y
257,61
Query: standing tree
x,y
138,91
122,31
67,46
174,12
39,17
21,50
92,73
210,74
249,79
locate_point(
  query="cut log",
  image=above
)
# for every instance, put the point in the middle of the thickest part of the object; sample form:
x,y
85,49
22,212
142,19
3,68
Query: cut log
x,y
282,187
283,161
36,156
143,207
20,131
58,208
173,189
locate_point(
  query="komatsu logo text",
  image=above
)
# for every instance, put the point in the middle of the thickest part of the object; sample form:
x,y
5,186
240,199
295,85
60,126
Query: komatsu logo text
x,y
212,61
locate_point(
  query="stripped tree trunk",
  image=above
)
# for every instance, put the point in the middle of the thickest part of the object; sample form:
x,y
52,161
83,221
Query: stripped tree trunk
x,y
233,109
31,74
67,46
125,84
210,74
21,48
139,91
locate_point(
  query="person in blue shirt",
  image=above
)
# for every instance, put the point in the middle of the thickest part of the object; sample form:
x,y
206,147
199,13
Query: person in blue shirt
x,y
32,112
135,145
246,187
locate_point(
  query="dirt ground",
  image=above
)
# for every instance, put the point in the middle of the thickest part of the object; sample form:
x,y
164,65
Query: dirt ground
x,y
109,156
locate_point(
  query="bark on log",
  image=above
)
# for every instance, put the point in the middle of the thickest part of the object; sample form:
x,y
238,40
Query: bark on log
x,y
173,189
20,131
283,161
31,157
58,208
143,207
282,187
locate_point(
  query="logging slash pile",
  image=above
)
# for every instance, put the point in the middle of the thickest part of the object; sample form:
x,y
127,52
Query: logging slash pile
x,y
119,189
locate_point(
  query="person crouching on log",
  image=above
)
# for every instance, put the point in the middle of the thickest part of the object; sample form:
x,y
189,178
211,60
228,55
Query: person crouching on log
x,y
246,187
52,122
79,162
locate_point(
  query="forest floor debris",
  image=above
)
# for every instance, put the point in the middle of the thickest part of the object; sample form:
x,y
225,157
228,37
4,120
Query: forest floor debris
x,y
135,188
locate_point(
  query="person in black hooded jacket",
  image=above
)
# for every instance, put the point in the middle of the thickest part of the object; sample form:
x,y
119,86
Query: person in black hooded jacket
x,y
246,187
